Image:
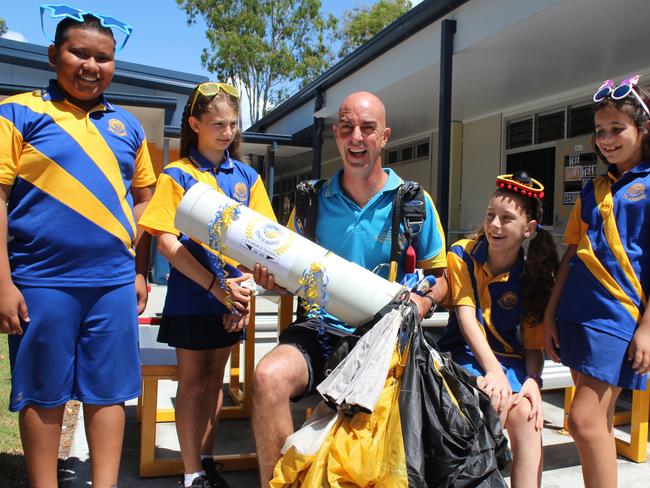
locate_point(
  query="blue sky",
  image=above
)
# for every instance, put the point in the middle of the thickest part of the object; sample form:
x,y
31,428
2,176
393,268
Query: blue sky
x,y
160,37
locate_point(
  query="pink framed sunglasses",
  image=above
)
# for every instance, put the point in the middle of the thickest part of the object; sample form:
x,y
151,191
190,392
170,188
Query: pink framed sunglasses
x,y
624,88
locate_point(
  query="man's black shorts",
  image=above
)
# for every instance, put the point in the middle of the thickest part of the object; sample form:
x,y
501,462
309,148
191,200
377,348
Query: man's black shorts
x,y
316,343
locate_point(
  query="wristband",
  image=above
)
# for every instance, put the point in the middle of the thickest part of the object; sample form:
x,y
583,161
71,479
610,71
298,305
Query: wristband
x,y
433,306
214,278
537,378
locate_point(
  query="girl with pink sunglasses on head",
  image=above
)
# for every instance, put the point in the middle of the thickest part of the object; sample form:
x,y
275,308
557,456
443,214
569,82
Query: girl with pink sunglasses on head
x,y
596,321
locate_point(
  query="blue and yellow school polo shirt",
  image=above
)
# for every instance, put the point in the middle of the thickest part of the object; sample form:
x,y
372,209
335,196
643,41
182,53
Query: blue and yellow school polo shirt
x,y
607,285
70,211
498,301
238,181
363,235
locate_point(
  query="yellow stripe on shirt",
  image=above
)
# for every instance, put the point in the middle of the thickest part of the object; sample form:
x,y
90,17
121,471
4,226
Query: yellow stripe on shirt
x,y
48,176
604,196
586,254
93,144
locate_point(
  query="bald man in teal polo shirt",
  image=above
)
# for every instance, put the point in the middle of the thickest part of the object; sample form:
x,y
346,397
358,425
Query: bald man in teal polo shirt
x,y
354,222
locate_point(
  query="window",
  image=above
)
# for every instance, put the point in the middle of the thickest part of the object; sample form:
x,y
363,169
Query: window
x,y
519,133
581,121
549,127
422,150
408,152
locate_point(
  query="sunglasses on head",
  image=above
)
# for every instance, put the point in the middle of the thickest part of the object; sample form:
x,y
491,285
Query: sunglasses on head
x,y
625,87
211,88
65,11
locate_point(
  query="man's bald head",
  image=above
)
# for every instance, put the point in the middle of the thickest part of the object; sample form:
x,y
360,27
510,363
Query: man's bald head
x,y
361,133
366,101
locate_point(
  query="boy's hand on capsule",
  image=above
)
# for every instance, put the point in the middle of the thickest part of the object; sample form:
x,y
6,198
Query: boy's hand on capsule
x,y
13,309
639,350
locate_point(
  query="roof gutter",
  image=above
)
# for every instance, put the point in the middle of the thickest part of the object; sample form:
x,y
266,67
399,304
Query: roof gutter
x,y
406,26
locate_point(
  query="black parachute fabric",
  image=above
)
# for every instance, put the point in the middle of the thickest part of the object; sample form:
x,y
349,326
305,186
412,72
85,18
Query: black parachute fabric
x,y
427,424
451,433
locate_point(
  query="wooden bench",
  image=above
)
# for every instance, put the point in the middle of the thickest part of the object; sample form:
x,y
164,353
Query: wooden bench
x,y
158,362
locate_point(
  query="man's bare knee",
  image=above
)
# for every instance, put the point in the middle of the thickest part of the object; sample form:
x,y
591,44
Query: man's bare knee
x,y
281,374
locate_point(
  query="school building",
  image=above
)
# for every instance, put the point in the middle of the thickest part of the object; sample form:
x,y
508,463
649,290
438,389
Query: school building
x,y
155,96
473,89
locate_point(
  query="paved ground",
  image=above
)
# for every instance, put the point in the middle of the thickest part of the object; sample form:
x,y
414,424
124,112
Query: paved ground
x,y
561,466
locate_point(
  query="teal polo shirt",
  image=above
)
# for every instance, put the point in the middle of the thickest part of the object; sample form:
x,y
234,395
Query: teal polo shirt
x,y
363,234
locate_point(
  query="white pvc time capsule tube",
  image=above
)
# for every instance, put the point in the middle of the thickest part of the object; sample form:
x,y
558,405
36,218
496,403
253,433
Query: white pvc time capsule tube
x,y
353,294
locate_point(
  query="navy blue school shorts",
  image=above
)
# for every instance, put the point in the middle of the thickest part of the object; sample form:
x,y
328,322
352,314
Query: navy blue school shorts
x,y
80,343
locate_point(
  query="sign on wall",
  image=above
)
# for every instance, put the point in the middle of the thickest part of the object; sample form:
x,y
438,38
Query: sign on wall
x,y
579,169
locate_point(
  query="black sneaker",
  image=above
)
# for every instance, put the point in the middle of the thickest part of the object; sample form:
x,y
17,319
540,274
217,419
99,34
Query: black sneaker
x,y
201,482
213,473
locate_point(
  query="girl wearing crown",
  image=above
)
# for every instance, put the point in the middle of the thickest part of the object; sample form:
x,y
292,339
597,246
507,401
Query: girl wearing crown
x,y
496,301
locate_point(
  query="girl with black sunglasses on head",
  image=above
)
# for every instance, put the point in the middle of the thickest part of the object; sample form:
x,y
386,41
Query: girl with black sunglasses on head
x,y
597,321
207,304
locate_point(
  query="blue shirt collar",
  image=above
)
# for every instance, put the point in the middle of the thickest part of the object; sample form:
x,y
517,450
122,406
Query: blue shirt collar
x,y
612,170
54,94
480,254
334,187
203,164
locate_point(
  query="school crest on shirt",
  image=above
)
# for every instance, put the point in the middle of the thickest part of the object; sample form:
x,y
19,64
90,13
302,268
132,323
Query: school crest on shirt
x,y
508,300
240,192
635,192
117,127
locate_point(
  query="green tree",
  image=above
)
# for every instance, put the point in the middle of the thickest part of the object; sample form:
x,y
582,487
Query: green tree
x,y
266,47
3,26
362,23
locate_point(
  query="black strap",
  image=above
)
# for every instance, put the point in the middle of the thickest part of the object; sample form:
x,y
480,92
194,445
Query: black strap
x,y
306,212
409,209
307,207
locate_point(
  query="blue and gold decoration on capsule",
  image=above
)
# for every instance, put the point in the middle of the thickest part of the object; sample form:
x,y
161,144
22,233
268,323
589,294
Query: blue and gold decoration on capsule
x,y
216,230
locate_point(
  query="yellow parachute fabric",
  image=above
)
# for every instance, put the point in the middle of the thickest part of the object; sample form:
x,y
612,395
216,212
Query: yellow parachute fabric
x,y
359,451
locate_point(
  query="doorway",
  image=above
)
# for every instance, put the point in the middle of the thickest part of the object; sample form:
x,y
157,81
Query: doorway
x,y
540,164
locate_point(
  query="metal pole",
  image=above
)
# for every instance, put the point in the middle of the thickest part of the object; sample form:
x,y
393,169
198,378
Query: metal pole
x,y
270,168
317,136
444,119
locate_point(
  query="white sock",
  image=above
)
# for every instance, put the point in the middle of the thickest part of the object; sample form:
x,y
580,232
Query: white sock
x,y
188,478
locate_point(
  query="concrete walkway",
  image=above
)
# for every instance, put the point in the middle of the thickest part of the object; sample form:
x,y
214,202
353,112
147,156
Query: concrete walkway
x,y
561,461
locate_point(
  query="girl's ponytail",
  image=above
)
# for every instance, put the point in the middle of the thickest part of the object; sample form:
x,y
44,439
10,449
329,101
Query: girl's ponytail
x,y
539,276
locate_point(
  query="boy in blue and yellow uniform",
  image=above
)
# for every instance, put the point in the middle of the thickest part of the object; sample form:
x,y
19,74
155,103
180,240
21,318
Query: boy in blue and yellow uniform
x,y
72,168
